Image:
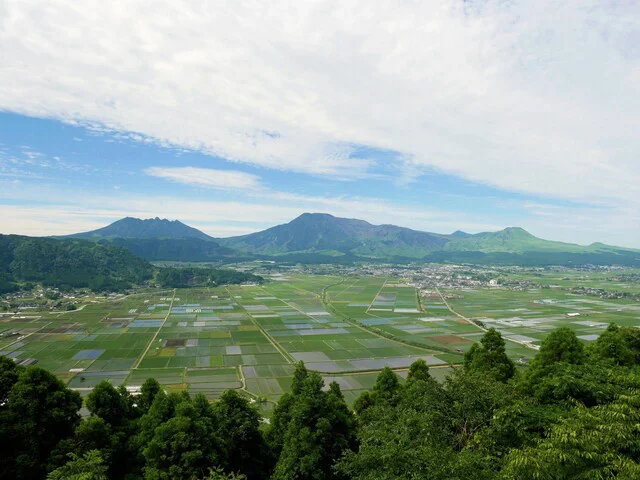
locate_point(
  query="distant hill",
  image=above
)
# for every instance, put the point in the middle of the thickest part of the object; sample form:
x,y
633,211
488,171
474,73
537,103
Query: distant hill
x,y
68,263
328,235
174,249
130,227
323,238
314,235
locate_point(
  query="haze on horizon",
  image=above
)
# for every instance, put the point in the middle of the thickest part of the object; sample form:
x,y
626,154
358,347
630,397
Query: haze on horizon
x,y
234,117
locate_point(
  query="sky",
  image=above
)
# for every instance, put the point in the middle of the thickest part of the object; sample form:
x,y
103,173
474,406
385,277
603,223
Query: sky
x,y
234,116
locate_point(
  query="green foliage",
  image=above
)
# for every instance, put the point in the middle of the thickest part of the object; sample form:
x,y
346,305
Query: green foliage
x,y
92,433
323,238
314,427
490,357
185,446
148,392
39,412
109,404
69,263
561,345
239,426
614,346
573,414
9,373
189,277
90,466
175,249
418,371
218,474
589,443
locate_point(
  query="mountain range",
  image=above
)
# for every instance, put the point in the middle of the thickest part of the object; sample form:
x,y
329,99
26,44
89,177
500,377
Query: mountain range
x,y
320,237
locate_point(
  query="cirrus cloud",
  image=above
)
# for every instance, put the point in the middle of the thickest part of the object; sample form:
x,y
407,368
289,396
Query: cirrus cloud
x,y
207,177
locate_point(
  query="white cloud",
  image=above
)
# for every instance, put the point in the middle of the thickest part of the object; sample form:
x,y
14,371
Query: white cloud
x,y
540,97
207,177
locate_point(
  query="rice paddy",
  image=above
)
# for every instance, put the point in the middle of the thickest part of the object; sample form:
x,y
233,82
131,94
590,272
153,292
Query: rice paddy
x,y
249,337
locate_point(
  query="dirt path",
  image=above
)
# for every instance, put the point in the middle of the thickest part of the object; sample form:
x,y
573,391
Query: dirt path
x,y
137,364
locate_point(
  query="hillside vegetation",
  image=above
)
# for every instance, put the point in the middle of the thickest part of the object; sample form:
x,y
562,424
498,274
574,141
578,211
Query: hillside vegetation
x,y
353,240
573,414
173,249
68,264
206,277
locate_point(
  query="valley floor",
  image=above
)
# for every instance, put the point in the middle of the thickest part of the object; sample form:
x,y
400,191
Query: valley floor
x,y
348,327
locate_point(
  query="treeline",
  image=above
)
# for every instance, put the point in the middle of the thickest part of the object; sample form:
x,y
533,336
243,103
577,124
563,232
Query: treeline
x,y
191,277
67,264
175,249
574,413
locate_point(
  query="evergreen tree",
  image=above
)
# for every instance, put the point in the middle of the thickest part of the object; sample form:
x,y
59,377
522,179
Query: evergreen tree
x,y
612,345
39,412
239,428
490,357
184,447
90,466
320,429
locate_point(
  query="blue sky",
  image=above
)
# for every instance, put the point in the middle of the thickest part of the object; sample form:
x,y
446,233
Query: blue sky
x,y
432,116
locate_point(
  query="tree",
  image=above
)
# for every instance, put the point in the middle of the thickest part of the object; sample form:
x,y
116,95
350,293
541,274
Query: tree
x,y
320,429
9,373
561,345
39,412
418,371
474,398
612,345
90,466
150,388
599,442
184,447
490,356
109,404
282,413
387,386
631,336
239,428
93,433
218,474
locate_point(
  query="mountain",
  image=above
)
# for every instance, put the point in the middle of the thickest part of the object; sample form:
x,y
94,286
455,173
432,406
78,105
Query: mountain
x,y
68,263
175,249
130,227
323,238
319,236
321,233
511,240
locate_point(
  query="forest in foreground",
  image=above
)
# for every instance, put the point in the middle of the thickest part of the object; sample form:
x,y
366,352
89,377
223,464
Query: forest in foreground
x,y
573,413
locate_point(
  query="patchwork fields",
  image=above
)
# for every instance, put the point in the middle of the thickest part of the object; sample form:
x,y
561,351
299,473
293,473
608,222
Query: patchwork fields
x,y
248,337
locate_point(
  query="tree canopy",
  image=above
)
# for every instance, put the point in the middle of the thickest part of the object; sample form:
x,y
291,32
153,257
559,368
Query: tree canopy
x,y
574,413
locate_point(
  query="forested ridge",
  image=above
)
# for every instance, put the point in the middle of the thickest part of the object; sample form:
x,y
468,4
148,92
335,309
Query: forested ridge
x,y
68,264
200,276
574,413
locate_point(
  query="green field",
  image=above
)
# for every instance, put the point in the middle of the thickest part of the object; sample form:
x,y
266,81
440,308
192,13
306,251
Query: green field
x,y
248,337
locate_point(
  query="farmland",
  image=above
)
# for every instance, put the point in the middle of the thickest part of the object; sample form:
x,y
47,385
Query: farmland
x,y
346,326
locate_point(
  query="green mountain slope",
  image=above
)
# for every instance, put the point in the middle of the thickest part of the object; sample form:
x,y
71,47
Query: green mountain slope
x,y
68,263
334,239
510,240
325,234
149,228
323,238
174,249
